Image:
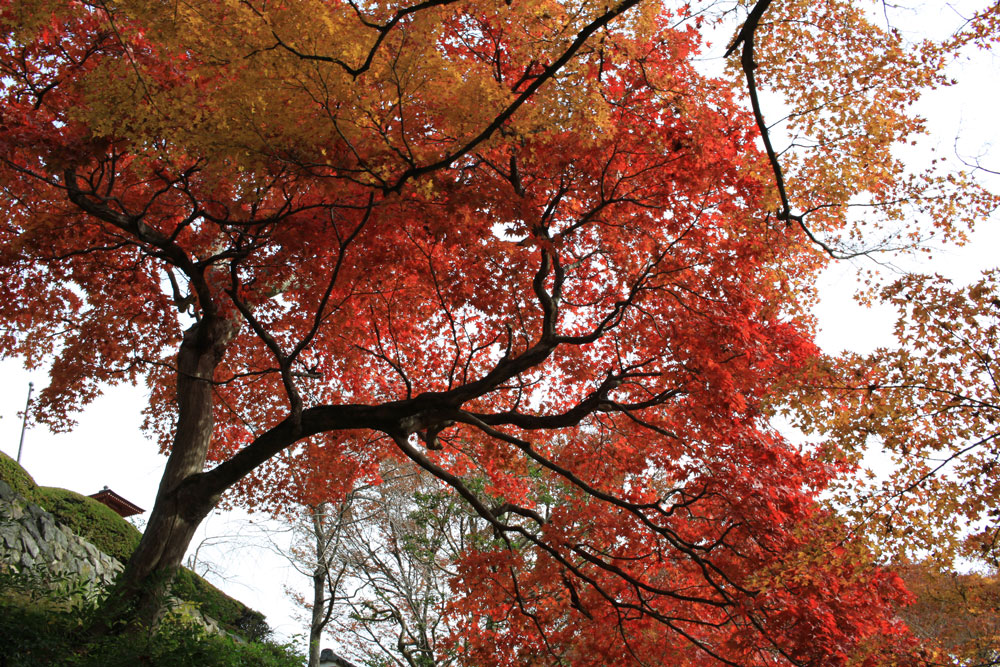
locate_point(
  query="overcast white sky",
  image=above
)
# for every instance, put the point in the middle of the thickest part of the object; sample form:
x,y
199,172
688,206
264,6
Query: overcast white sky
x,y
107,447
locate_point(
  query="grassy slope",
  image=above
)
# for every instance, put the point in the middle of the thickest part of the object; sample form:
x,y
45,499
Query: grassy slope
x,y
115,536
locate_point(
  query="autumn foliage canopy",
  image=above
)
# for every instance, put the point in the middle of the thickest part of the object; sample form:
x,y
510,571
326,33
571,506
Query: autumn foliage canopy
x,y
526,245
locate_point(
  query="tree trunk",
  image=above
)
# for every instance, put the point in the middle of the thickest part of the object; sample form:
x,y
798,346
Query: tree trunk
x,y
320,610
181,504
318,623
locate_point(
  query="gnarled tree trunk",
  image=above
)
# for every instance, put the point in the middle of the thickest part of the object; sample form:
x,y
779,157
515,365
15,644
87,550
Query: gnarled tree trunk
x,y
181,503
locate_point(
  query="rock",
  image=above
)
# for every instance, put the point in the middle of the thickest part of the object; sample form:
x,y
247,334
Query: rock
x,y
35,512
11,511
64,537
30,545
9,534
90,549
30,527
48,530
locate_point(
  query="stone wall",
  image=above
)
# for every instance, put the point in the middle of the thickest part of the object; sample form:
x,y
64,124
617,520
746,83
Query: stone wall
x,y
31,539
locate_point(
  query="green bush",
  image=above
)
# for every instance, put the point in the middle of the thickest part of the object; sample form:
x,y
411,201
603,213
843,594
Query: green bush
x,y
40,613
17,477
91,520
34,634
31,635
179,643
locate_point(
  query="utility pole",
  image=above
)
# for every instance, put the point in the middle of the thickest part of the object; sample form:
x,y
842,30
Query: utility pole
x,y
24,424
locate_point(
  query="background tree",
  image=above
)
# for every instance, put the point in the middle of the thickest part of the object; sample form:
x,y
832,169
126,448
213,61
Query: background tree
x,y
394,561
959,612
501,240
314,553
378,560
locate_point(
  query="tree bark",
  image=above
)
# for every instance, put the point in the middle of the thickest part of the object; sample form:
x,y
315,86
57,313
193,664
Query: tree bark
x,y
180,504
318,622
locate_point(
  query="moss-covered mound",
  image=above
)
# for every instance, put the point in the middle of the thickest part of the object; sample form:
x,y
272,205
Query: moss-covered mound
x,y
116,537
109,532
91,520
37,628
232,615
17,477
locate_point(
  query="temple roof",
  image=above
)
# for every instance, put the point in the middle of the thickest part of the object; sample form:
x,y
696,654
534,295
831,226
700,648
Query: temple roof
x,y
116,502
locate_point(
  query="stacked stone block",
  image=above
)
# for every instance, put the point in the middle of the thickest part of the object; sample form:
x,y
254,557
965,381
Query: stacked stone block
x,y
32,540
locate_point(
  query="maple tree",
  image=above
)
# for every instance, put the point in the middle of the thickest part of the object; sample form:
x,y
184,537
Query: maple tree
x,y
931,407
525,245
959,612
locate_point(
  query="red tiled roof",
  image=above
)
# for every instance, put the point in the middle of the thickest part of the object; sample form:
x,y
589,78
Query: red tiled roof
x,y
116,502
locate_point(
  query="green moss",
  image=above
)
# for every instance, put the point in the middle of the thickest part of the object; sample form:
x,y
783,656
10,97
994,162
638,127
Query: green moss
x,y
178,643
17,477
34,634
232,615
109,532
91,520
